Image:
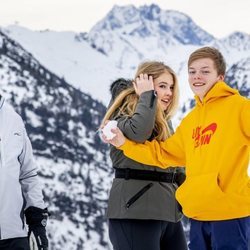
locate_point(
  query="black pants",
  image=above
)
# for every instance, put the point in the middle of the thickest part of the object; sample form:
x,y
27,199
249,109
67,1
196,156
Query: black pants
x,y
15,244
128,234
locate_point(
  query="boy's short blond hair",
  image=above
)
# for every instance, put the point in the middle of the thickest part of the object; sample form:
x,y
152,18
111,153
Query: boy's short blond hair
x,y
212,53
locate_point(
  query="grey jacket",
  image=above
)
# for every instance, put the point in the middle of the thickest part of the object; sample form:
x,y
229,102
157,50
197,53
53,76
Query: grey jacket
x,y
19,186
157,202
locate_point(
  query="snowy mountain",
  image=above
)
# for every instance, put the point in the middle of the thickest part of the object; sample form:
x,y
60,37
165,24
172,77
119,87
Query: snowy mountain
x,y
59,83
123,38
234,47
62,123
133,25
69,56
239,75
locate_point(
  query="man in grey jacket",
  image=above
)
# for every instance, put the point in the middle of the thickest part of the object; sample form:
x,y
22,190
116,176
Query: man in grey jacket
x,y
20,191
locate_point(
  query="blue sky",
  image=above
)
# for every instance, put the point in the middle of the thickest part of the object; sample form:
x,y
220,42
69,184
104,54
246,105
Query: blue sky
x,y
219,17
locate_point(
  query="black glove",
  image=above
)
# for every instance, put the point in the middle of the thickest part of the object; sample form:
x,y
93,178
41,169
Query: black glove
x,y
36,218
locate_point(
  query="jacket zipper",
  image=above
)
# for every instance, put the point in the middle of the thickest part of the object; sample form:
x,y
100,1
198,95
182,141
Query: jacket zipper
x,y
138,195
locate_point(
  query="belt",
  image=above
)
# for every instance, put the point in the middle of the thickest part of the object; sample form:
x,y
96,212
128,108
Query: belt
x,y
128,173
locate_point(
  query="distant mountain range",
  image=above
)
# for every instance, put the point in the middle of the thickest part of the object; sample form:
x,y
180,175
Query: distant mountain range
x,y
59,83
120,41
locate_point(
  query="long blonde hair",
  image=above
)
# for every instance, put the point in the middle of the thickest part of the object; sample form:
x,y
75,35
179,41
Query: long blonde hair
x,y
125,103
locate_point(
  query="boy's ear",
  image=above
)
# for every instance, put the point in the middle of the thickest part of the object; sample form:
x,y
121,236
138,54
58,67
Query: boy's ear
x,y
221,77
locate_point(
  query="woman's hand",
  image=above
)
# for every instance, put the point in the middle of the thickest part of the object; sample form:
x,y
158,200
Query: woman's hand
x,y
143,83
118,140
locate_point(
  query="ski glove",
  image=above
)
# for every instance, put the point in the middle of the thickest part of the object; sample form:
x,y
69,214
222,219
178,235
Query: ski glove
x,y
36,218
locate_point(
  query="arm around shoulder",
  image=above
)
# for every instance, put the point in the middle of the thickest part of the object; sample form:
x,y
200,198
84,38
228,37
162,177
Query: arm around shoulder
x,y
155,153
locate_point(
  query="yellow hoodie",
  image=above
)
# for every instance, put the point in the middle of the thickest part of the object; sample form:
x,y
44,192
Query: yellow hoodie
x,y
213,142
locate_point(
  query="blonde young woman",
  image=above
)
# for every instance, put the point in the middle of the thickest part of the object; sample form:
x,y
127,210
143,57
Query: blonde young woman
x,y
142,211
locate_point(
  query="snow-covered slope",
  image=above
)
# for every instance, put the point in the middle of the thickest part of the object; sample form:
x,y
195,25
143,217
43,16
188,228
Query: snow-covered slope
x,y
71,57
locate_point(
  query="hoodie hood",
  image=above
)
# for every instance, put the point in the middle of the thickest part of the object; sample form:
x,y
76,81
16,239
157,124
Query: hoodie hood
x,y
220,89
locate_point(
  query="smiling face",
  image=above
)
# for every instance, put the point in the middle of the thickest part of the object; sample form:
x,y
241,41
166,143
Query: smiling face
x,y
202,76
164,86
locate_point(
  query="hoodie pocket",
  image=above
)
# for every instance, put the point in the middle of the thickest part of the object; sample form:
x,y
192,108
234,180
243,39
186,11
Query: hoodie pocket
x,y
200,193
140,193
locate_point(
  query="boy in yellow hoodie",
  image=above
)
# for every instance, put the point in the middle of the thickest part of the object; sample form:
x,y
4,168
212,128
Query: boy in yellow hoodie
x,y
213,142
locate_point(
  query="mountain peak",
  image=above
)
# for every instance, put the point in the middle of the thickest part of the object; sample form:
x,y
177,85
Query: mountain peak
x,y
237,40
119,16
150,22
239,36
150,12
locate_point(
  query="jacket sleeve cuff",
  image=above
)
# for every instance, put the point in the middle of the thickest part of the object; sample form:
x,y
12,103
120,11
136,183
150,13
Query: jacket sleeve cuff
x,y
149,98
